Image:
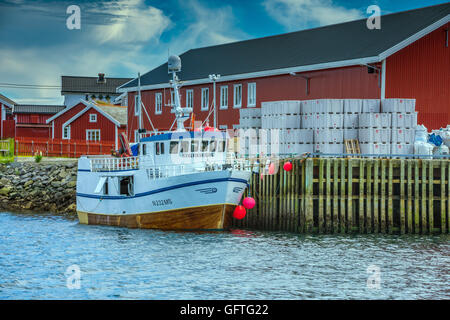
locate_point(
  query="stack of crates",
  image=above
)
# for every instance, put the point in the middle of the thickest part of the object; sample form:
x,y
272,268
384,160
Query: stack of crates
x,y
249,124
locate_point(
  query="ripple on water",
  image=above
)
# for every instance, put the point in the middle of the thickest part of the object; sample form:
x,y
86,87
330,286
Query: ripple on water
x,y
116,263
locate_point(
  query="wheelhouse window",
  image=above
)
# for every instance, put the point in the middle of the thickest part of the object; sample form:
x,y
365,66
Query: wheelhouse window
x,y
237,95
66,132
184,146
221,146
189,98
93,135
251,95
194,145
213,145
158,103
159,148
205,99
144,149
173,147
205,145
224,97
92,117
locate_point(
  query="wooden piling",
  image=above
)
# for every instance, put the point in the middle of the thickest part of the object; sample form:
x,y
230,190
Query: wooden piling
x,y
335,195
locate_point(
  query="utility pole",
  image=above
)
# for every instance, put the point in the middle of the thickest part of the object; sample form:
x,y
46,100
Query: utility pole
x,y
214,78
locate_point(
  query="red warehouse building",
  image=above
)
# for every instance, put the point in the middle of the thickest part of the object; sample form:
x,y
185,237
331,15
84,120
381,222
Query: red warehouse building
x,y
409,57
31,120
89,121
7,120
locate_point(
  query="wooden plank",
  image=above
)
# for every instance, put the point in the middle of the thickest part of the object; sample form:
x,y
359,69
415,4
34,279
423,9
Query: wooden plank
x,y
309,221
383,197
328,201
281,207
368,218
296,182
430,196
416,198
390,209
362,197
342,216
443,207
409,197
350,195
402,197
335,196
424,198
376,226
320,216
260,196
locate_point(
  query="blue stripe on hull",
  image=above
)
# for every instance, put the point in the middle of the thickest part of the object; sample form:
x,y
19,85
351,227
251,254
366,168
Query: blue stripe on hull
x,y
183,185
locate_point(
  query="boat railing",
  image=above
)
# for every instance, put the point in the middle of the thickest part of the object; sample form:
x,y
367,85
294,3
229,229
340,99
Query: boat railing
x,y
114,164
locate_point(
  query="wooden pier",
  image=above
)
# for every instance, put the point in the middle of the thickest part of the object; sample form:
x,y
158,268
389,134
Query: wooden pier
x,y
348,195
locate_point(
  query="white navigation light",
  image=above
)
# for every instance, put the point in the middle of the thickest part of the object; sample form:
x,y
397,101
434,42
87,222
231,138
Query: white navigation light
x,y
174,64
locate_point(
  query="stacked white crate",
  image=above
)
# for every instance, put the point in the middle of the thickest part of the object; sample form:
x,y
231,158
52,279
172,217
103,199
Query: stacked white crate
x,y
404,122
326,118
283,118
249,120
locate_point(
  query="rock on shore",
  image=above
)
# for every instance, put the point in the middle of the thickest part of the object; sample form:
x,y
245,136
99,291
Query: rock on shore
x,y
39,187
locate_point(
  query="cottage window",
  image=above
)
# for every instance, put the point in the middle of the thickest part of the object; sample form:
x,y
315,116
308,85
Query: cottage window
x,y
66,132
224,97
251,95
190,98
93,117
93,135
158,103
205,99
237,95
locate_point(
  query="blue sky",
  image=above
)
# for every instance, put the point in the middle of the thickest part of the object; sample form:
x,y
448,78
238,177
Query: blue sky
x,y
122,37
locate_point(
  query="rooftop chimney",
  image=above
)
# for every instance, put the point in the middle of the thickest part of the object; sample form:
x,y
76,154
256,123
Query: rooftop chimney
x,y
101,78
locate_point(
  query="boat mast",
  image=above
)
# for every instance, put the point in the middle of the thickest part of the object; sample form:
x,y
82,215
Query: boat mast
x,y
181,114
139,107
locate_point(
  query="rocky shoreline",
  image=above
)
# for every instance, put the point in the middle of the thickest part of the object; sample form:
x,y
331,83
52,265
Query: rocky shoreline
x,y
39,187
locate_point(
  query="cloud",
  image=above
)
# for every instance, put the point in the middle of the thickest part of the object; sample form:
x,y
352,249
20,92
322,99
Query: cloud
x,y
130,21
300,14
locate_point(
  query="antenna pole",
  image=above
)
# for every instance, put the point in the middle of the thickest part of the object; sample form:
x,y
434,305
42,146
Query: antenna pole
x,y
140,106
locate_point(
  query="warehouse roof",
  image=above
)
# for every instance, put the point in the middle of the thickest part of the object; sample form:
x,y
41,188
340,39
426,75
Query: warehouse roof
x,y
84,85
6,100
38,108
331,46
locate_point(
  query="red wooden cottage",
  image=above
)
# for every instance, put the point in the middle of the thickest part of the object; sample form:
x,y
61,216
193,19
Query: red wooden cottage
x,y
89,121
31,120
7,127
409,57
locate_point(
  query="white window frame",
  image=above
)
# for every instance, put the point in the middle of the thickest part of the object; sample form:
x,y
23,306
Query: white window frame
x,y
88,131
158,103
223,97
136,108
93,117
236,103
251,93
190,98
64,136
203,106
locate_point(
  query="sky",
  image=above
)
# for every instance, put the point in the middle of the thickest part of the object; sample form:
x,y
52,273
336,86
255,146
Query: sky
x,y
123,37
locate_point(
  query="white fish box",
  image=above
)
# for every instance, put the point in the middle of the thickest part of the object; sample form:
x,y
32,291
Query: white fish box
x,y
402,148
331,105
351,120
328,135
401,135
329,148
292,107
350,134
404,120
375,120
398,105
374,148
371,105
375,135
298,136
335,120
304,148
288,121
352,105
269,108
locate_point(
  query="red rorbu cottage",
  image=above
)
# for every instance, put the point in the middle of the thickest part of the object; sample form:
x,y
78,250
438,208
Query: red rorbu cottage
x,y
89,121
31,120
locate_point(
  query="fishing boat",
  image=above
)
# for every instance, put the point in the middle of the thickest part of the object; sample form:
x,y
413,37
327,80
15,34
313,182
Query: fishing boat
x,y
175,180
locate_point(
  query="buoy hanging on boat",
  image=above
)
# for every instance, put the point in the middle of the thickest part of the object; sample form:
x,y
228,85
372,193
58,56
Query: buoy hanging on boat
x,y
272,168
239,212
249,203
287,166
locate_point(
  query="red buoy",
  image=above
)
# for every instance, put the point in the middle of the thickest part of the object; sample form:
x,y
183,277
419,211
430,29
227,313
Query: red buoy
x,y
239,212
287,166
272,168
249,203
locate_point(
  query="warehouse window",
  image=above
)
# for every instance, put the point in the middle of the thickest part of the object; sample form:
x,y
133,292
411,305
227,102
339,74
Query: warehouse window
x,y
205,99
158,103
136,105
224,97
251,95
93,135
190,98
237,95
66,132
93,117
